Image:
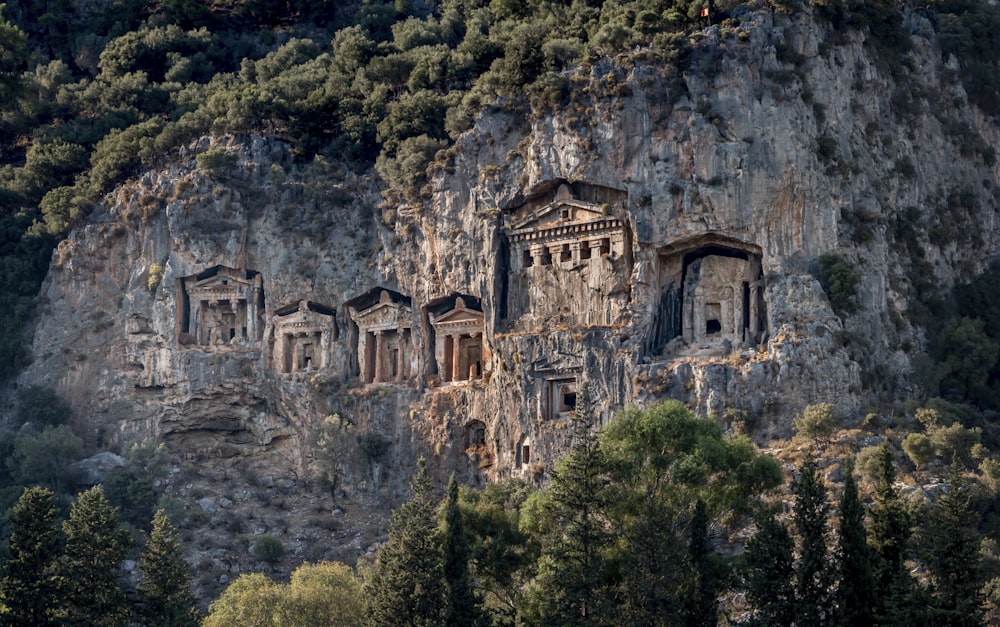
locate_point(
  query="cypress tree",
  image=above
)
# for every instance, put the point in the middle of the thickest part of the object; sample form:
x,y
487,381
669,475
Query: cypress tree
x,y
768,574
29,584
856,587
463,607
406,586
812,573
89,572
950,550
895,590
165,592
706,574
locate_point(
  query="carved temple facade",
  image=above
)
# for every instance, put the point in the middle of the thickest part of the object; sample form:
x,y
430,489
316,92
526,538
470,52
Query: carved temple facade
x,y
384,352
220,307
569,258
302,337
459,351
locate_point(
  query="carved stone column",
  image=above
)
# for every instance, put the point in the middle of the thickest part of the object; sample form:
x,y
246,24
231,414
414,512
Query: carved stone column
x,y
379,357
461,371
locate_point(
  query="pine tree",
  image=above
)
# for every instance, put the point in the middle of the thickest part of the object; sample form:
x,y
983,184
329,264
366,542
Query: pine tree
x,y
28,586
950,550
89,573
856,582
895,590
570,586
165,592
406,586
768,574
812,573
463,607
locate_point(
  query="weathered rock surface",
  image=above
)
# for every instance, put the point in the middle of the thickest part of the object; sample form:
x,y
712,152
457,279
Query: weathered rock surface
x,y
655,238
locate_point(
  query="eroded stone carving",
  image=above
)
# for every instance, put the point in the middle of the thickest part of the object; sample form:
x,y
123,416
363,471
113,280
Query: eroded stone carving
x,y
220,307
711,295
384,337
569,256
459,351
303,334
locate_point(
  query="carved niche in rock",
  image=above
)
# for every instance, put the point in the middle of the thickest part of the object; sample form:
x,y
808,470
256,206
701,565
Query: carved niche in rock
x,y
303,334
459,351
560,398
711,294
384,337
220,307
569,256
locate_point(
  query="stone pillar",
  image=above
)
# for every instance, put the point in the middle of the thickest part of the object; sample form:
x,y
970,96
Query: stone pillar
x,y
251,317
194,321
379,357
446,350
295,353
401,357
458,373
754,314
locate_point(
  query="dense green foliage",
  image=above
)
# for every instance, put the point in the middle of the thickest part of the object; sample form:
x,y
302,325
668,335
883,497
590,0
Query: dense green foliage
x,y
164,595
29,586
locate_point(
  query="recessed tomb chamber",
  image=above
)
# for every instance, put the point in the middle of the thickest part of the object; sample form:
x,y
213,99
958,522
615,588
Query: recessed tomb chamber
x,y
303,334
711,295
460,354
384,322
220,307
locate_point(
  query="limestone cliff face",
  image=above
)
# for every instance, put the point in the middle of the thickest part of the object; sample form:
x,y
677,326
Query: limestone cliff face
x,y
655,238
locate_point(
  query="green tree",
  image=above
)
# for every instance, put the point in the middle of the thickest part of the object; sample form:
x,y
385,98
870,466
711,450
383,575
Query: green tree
x,y
767,574
568,588
890,534
856,582
950,549
29,586
13,59
327,594
706,577
165,591
250,601
89,572
462,604
812,573
406,585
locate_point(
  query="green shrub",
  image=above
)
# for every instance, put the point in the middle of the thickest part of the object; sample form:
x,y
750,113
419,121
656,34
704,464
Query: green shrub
x,y
217,161
817,421
918,448
839,282
268,548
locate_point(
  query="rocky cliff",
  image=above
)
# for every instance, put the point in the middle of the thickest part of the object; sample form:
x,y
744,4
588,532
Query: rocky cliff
x,y
655,237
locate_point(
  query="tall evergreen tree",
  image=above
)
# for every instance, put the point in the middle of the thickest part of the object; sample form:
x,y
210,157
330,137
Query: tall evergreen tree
x,y
895,590
768,574
569,584
812,573
706,574
90,570
949,548
406,586
165,592
462,607
856,582
29,586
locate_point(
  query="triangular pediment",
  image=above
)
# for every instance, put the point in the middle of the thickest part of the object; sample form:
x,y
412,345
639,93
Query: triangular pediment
x,y
458,316
221,281
304,317
561,213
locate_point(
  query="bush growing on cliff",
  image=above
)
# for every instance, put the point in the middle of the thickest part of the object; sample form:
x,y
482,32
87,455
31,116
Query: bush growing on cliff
x,y
839,282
